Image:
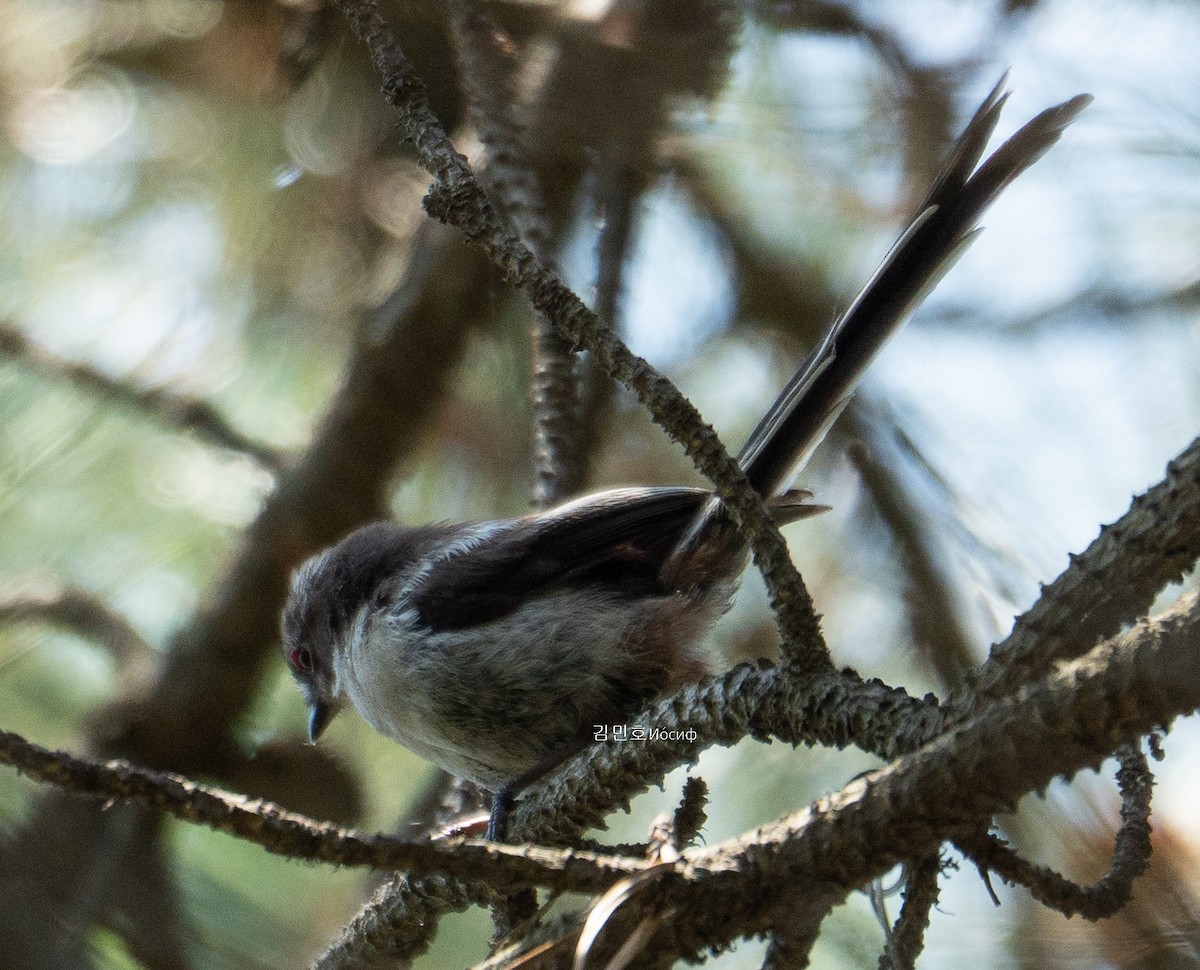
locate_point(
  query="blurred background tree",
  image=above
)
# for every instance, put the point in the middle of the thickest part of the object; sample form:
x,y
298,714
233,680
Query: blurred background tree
x,y
229,335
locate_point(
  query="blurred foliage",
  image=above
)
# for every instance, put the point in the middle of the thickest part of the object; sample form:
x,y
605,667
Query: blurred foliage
x,y
181,206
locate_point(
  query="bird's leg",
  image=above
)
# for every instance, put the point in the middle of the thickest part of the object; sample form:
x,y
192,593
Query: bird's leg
x,y
502,803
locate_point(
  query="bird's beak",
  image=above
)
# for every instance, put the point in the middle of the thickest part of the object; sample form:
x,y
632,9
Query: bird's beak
x,y
320,713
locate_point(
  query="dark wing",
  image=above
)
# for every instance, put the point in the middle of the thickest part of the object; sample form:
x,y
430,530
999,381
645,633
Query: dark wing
x,y
615,540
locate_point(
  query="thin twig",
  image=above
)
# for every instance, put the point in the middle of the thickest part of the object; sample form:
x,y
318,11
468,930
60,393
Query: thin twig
x,y
907,938
402,917
177,411
1131,853
400,921
489,65
79,611
286,833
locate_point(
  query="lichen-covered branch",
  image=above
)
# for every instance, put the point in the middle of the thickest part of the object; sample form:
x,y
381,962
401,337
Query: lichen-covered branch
x,y
286,833
400,921
489,64
1131,853
1069,720
458,199
1113,582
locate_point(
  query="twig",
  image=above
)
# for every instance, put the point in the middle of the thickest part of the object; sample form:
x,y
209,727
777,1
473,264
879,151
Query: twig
x,y
402,917
1131,853
907,938
400,921
79,611
286,833
690,816
178,411
489,69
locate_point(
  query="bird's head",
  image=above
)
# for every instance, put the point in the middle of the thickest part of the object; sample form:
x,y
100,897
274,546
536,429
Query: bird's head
x,y
312,630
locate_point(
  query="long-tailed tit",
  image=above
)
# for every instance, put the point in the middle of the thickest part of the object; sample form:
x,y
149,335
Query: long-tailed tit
x,y
493,648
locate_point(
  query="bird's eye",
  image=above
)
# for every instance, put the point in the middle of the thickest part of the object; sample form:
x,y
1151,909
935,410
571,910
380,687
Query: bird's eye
x,y
301,659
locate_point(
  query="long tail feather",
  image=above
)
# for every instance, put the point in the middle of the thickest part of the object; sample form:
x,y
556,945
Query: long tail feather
x,y
944,226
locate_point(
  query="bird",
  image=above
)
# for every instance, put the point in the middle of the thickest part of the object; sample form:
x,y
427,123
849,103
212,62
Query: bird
x,y
495,649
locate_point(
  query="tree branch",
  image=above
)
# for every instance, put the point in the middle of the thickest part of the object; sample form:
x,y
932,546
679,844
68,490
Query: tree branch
x,y
80,612
1131,854
402,917
286,833
763,702
457,199
489,69
1115,581
176,411
1067,721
